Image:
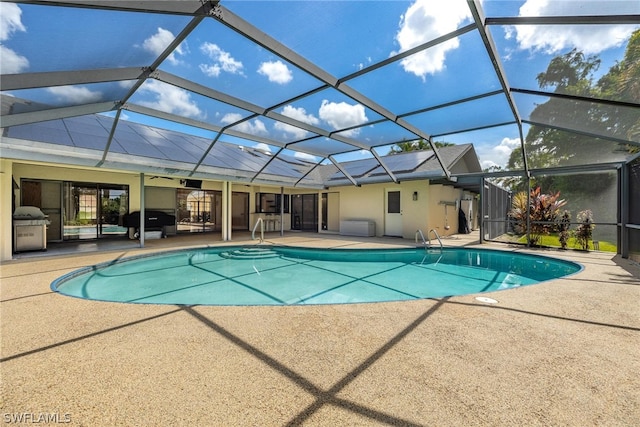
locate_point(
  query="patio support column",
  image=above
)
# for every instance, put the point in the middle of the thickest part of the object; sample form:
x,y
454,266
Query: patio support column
x,y
623,208
226,211
142,215
282,211
319,212
483,194
6,209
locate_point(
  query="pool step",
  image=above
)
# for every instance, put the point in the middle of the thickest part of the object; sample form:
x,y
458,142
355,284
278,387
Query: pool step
x,y
250,253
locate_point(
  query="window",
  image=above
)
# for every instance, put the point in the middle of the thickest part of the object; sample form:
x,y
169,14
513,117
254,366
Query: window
x,y
270,203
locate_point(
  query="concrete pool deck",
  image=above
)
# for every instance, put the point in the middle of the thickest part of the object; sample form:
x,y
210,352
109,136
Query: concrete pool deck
x,y
563,352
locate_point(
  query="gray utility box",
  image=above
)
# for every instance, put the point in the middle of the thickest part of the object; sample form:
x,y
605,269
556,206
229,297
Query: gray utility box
x,y
358,227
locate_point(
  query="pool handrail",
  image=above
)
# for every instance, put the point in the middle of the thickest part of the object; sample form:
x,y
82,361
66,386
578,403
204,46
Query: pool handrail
x,y
426,242
433,230
253,232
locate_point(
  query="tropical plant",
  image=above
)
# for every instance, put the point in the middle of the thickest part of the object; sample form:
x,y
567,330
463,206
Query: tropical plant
x,y
542,210
584,232
563,229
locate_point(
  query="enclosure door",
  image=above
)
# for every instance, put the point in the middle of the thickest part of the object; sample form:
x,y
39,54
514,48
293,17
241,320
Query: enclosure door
x,y
393,214
304,212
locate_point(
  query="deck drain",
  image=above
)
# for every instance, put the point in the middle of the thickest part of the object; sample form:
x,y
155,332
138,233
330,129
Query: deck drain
x,y
487,300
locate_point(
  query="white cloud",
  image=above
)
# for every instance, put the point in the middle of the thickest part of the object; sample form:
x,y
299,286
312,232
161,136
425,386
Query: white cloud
x,y
306,157
299,114
254,127
293,131
212,70
12,63
230,118
11,22
126,84
222,61
497,155
550,39
75,94
340,115
170,99
426,20
368,62
157,43
262,147
276,72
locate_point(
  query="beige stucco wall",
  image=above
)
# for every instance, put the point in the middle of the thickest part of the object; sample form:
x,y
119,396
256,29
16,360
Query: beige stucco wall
x,y
333,212
425,213
344,203
439,214
41,171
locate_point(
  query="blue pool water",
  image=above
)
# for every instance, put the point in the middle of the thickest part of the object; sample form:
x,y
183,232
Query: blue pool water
x,y
264,275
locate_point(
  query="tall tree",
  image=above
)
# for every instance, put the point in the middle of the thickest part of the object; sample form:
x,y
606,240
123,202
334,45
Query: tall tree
x,y
622,83
569,74
573,74
416,145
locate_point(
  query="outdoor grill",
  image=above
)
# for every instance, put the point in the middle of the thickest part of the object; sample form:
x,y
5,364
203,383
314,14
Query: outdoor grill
x,y
29,229
154,223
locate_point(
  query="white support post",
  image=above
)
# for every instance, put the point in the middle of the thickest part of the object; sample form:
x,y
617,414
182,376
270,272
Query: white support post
x,y
226,211
319,212
142,214
6,210
282,211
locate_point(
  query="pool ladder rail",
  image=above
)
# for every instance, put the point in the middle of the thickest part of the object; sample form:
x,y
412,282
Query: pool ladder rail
x,y
259,222
427,242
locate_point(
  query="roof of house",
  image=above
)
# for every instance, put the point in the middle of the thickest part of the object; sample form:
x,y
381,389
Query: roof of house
x,y
81,140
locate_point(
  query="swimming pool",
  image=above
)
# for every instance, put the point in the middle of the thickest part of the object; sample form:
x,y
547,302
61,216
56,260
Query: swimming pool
x,y
276,275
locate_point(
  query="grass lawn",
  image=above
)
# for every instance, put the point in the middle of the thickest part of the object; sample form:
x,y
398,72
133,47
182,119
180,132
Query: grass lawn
x,y
551,240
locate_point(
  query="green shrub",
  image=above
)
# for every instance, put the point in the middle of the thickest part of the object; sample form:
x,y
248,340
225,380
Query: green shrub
x,y
584,231
563,229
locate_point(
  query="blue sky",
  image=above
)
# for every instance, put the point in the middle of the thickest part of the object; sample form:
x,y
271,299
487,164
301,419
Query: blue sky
x,y
341,37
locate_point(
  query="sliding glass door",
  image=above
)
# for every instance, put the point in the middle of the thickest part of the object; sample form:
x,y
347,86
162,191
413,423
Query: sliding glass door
x,y
199,211
114,203
304,212
93,211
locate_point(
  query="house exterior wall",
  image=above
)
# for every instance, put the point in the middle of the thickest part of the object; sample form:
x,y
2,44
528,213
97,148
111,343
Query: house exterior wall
x,y
333,214
425,213
56,173
368,202
440,213
362,203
